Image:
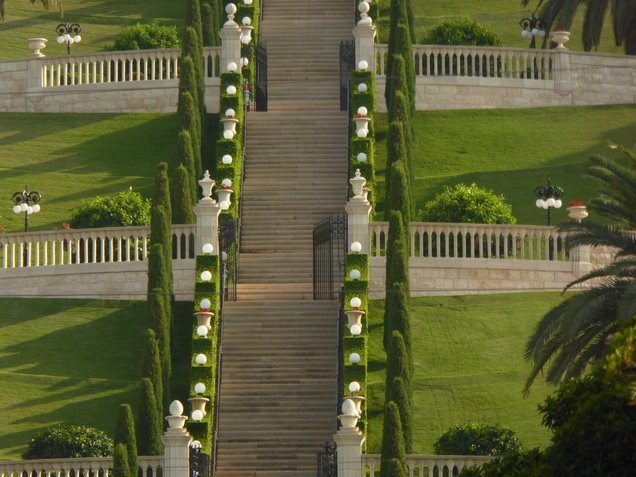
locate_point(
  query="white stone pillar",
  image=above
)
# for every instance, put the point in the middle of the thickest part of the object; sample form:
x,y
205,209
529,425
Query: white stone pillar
x,y
581,260
207,211
349,440
563,75
230,41
176,442
364,35
358,209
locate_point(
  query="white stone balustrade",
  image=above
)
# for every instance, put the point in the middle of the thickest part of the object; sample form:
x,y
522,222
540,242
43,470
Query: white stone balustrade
x,y
149,465
86,246
427,465
476,241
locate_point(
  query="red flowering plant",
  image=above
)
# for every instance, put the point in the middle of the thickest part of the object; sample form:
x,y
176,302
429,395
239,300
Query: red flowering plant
x,y
359,115
225,186
561,29
205,310
66,226
574,203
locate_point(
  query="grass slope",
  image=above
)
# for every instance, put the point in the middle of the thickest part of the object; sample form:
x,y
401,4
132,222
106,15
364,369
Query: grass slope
x,y
511,151
468,366
66,361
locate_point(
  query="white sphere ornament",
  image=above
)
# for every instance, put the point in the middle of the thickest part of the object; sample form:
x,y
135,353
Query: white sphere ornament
x,y
29,210
356,247
524,33
363,65
539,203
207,248
542,33
226,182
60,39
17,209
355,330
355,302
247,2
551,202
354,358
362,88
36,208
557,204
355,274
545,205
205,303
231,90
230,113
77,38
176,408
201,359
362,110
363,7
202,331
245,61
206,276
246,21
231,66
23,207
230,9
228,134
362,133
224,205
224,256
199,388
535,31
246,39
349,408
67,37
227,159
354,386
197,415
362,157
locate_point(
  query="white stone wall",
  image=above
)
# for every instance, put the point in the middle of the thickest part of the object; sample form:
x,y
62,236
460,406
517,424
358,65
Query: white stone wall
x,y
13,80
109,281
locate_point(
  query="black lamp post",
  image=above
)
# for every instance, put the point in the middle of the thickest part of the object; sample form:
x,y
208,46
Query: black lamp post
x,y
69,33
548,197
27,202
532,27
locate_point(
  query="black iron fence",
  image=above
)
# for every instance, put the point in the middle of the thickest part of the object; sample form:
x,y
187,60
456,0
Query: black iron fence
x,y
260,88
229,255
329,250
347,65
328,461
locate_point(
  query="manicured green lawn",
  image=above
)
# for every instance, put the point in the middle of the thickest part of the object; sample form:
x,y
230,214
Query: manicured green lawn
x,y
511,151
469,367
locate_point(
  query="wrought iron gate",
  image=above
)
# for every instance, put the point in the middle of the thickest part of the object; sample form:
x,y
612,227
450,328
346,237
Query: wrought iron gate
x,y
328,461
260,94
199,462
347,65
330,247
228,254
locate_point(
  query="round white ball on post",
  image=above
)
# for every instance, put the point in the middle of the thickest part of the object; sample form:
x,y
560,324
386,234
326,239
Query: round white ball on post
x,y
208,248
355,302
199,388
201,359
355,274
362,88
202,331
354,387
224,205
197,415
231,90
354,358
362,110
363,65
205,304
356,247
206,276
228,134
227,159
355,330
362,157
231,66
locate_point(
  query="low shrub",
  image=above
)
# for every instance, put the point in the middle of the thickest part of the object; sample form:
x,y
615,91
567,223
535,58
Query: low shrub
x,y
61,441
461,31
146,36
121,210
477,439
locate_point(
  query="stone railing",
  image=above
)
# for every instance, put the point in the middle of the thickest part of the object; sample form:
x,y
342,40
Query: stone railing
x,y
476,241
427,465
119,67
474,61
86,246
149,465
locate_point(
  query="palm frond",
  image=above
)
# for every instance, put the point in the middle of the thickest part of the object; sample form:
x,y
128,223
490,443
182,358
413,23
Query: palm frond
x,y
594,234
623,12
593,23
567,12
626,305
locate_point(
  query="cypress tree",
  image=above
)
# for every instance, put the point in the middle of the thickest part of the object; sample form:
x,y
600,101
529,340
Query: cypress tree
x,y
161,234
152,368
162,189
192,46
398,81
411,20
193,20
210,23
400,113
401,317
398,14
183,211
188,120
157,275
404,47
185,157
394,273
120,462
149,428
187,84
397,362
160,322
393,443
125,434
398,196
399,394
396,149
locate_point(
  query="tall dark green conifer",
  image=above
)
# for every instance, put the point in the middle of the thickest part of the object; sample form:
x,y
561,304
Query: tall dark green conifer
x,y
393,449
185,157
398,364
192,47
400,395
404,48
151,367
398,14
210,20
160,322
120,462
149,419
161,234
183,212
125,434
188,120
162,189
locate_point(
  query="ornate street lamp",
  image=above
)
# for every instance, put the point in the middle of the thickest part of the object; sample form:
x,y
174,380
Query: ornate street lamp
x,y
27,202
532,27
69,33
548,197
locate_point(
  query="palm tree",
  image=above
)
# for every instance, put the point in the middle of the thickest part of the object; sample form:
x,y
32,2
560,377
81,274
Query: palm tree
x,y
623,13
578,330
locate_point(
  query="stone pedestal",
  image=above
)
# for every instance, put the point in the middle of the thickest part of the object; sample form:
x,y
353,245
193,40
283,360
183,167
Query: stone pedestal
x,y
207,212
358,210
349,441
230,45
176,442
364,42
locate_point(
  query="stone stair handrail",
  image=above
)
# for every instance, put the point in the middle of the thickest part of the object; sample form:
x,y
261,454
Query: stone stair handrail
x,y
149,466
83,246
427,465
476,241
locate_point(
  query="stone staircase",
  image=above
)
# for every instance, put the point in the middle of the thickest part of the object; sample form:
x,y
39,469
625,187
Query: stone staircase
x,y
278,399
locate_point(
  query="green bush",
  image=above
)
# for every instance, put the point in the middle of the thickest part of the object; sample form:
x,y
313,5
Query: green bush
x,y
461,31
61,441
146,36
477,439
512,464
121,210
468,204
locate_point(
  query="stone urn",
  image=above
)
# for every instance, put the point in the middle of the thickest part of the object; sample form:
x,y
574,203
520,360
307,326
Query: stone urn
x,y
354,317
229,124
204,319
223,195
362,124
37,44
577,212
560,38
